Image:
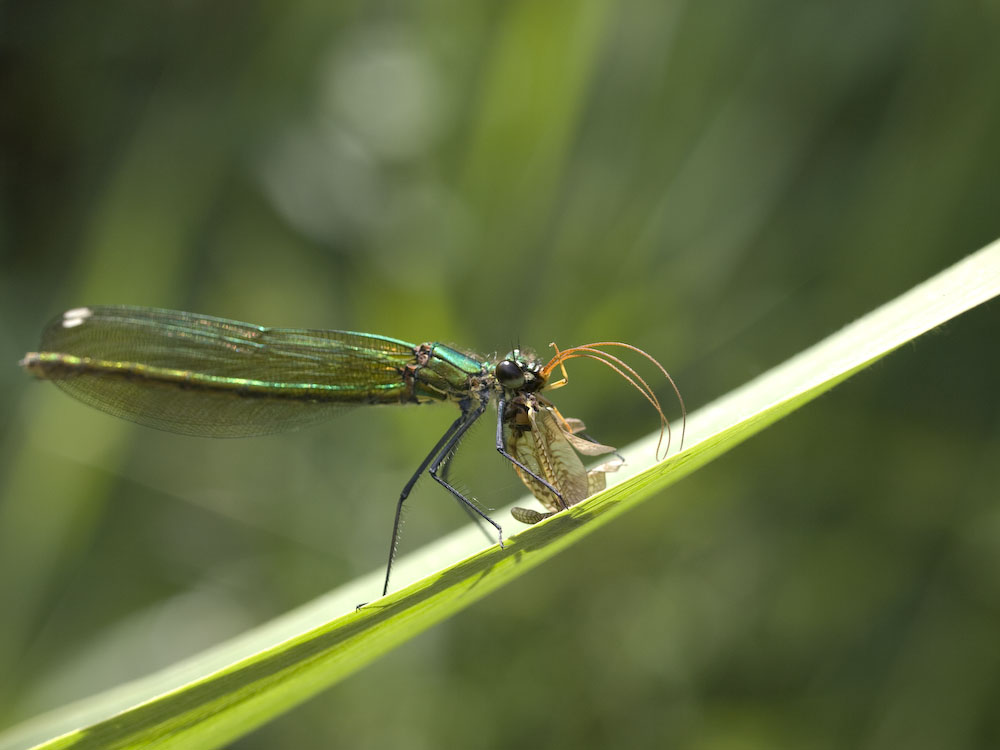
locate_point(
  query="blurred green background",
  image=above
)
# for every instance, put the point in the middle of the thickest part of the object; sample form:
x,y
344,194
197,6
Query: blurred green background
x,y
722,184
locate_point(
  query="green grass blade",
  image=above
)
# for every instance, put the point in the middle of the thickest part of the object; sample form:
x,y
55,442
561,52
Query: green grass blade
x,y
229,690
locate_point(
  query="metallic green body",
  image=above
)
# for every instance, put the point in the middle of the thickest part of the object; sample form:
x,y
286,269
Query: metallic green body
x,y
443,373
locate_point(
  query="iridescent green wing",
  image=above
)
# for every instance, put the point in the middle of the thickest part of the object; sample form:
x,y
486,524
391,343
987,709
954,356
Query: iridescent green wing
x,y
200,375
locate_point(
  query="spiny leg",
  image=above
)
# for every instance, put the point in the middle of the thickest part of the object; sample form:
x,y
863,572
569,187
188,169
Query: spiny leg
x,y
409,486
446,453
476,517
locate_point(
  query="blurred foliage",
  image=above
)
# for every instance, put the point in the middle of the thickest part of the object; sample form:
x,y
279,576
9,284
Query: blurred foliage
x,y
721,184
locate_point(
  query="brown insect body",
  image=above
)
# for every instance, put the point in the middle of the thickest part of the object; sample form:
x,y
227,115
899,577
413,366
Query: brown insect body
x,y
550,445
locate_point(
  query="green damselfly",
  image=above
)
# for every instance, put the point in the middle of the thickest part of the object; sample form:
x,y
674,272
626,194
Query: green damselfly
x,y
201,375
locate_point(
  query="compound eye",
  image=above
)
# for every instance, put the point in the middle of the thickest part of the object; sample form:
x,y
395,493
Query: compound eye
x,y
510,374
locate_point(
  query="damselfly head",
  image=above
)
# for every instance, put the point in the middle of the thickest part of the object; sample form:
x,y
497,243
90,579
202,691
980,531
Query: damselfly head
x,y
596,351
519,371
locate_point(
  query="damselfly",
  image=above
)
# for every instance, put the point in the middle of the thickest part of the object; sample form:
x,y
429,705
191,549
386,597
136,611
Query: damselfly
x,y
200,375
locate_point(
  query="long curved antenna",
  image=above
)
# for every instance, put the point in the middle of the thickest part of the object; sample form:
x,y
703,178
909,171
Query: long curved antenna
x,y
593,351
621,367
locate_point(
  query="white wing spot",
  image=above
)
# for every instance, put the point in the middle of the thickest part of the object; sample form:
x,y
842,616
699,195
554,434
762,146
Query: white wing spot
x,y
76,316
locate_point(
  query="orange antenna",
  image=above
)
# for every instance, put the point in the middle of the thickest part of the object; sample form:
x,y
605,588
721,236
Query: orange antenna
x,y
546,370
594,351
642,386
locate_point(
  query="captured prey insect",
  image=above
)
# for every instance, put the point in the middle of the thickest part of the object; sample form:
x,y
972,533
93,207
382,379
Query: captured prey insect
x,y
201,375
